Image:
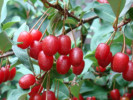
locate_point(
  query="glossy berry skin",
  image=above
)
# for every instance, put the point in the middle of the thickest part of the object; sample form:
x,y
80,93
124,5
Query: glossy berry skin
x,y
102,1
91,98
128,72
36,97
35,89
45,62
50,45
102,51
2,76
129,95
26,81
78,69
114,94
128,51
64,44
76,56
80,97
107,61
100,69
124,98
36,35
6,72
49,94
26,38
35,48
63,64
119,62
12,73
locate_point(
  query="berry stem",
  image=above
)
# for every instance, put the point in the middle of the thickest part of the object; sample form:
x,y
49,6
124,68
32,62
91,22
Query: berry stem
x,y
55,86
38,21
132,50
124,43
114,85
43,34
112,35
73,36
58,90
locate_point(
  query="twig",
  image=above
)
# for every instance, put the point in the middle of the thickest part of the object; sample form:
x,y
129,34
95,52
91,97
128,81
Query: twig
x,y
7,54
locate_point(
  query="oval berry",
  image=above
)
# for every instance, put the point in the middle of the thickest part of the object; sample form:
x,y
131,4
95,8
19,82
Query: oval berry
x,y
63,64
78,69
102,51
91,98
129,95
50,45
36,35
26,81
80,97
107,61
36,97
45,62
119,62
102,1
128,51
76,56
35,48
128,72
26,38
49,95
64,44
35,89
6,72
115,94
2,76
12,73
124,98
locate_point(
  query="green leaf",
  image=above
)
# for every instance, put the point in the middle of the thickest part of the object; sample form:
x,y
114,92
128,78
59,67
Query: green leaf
x,y
89,75
71,20
17,94
131,13
84,30
129,31
5,42
9,24
117,6
105,12
1,3
3,12
76,89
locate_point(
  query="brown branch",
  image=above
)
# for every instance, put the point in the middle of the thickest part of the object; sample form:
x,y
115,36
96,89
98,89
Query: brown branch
x,y
124,22
7,54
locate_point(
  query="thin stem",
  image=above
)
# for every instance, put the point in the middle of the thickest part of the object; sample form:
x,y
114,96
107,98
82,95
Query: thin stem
x,y
55,86
42,23
124,43
73,36
110,37
43,34
114,85
58,90
132,50
38,21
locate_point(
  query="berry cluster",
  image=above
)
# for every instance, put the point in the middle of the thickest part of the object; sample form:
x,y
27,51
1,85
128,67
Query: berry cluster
x,y
115,95
119,62
81,98
6,74
45,50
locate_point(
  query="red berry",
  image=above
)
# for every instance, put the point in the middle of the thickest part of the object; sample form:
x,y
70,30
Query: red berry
x,y
114,94
36,35
128,51
91,98
128,72
100,69
106,62
102,51
26,81
76,56
127,95
102,1
12,73
49,95
78,69
64,44
35,89
35,48
36,97
26,38
2,76
50,45
124,98
45,62
80,97
63,64
119,62
6,72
